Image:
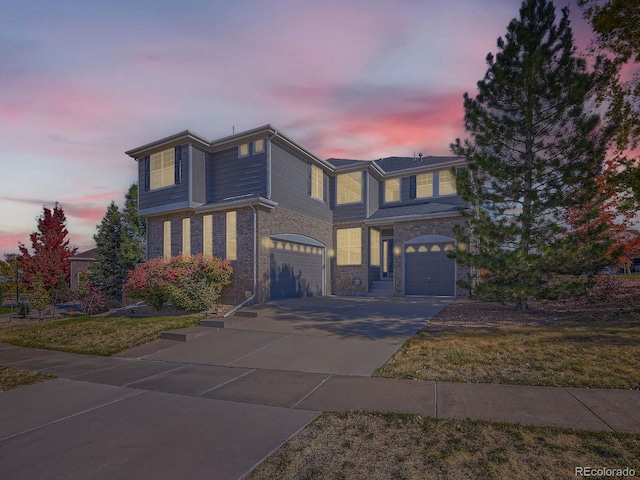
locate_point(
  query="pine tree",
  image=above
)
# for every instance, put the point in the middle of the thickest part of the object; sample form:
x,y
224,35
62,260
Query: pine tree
x,y
133,247
535,151
51,250
107,270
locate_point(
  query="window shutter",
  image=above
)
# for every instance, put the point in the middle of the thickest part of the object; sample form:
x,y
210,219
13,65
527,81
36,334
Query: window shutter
x,y
309,173
325,186
412,187
177,161
147,175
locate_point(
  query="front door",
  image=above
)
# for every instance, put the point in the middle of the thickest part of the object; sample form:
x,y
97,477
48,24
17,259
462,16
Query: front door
x,y
387,258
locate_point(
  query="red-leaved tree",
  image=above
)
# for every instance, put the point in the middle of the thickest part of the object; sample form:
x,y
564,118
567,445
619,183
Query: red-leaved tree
x,y
51,251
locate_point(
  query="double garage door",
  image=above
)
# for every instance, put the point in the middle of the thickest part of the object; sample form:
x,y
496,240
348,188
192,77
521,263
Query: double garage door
x,y
428,269
297,266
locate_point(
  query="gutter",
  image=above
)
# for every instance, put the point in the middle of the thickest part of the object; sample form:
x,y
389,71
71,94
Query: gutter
x,y
255,265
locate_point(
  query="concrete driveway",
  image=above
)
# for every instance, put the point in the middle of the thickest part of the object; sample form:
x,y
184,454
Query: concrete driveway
x,y
332,335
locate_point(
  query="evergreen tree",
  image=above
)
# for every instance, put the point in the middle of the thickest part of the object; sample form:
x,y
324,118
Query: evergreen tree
x,y
51,250
133,247
107,270
535,151
120,244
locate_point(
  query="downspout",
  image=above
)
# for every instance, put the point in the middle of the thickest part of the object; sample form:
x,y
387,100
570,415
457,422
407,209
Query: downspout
x,y
255,265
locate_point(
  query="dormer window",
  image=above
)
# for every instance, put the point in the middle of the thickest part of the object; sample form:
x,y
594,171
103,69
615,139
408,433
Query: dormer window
x,y
392,190
162,169
447,182
349,188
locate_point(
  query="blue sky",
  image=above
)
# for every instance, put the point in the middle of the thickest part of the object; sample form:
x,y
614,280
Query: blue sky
x,y
82,82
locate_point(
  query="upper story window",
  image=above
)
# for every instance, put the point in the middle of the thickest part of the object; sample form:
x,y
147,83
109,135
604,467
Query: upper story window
x,y
349,188
243,150
258,146
447,182
317,183
424,185
392,190
162,169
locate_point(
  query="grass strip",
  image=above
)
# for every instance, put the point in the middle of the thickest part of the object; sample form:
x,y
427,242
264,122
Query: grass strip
x,y
14,378
93,335
390,446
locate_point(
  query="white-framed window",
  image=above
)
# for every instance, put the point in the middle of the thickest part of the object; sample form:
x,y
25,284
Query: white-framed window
x,y
317,183
232,236
447,182
374,247
392,190
424,185
349,246
166,239
243,150
258,146
162,169
207,235
349,188
186,236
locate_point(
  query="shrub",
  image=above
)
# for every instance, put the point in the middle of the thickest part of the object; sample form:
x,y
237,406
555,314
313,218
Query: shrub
x,y
605,288
91,298
189,282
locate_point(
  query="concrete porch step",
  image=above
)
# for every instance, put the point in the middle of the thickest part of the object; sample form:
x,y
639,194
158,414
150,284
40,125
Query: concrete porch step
x,y
381,288
185,334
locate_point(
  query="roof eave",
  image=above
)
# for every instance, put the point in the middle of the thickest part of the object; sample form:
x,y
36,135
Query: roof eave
x,y
411,218
176,139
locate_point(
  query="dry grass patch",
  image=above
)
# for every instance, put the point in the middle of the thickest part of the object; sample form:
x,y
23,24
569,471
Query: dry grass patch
x,y
376,446
597,351
15,377
93,335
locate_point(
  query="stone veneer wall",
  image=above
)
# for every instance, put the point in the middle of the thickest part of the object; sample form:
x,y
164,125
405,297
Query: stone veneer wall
x,y
345,278
280,221
405,231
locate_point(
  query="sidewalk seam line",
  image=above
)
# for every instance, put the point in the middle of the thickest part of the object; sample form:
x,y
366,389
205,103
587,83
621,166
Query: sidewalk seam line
x,y
155,375
591,411
131,395
226,383
307,395
435,398
257,350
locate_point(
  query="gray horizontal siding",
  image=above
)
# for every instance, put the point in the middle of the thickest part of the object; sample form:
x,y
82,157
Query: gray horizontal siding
x,y
374,193
174,194
290,183
230,176
198,177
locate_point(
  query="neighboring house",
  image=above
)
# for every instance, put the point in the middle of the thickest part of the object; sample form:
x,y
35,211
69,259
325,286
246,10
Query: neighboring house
x,y
80,263
293,224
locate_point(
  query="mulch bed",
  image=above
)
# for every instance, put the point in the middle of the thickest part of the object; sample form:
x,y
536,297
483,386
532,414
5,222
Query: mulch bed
x,y
467,313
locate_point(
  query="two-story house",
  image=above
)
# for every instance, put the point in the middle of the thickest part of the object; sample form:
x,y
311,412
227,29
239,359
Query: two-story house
x,y
293,224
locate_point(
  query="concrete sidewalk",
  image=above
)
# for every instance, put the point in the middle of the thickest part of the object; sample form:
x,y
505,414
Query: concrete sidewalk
x,y
586,409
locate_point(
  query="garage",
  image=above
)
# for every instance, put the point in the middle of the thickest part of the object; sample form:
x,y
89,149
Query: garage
x,y
297,266
428,269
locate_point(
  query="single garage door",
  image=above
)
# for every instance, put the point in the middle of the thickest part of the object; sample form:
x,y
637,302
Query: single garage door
x,y
297,266
428,269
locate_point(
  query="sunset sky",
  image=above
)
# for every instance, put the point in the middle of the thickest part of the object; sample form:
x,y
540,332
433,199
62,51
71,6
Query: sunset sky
x,y
83,81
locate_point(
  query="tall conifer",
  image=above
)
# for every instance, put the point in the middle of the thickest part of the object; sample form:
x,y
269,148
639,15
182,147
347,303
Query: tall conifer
x,y
535,151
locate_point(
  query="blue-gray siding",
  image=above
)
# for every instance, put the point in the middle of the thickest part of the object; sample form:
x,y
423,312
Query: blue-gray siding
x,y
174,194
373,197
229,176
290,185
198,185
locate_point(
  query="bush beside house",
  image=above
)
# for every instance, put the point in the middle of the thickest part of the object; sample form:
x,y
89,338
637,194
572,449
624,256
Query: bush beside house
x,y
189,282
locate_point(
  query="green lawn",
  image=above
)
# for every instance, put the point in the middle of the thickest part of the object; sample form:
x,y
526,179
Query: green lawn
x,y
93,335
600,351
6,310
